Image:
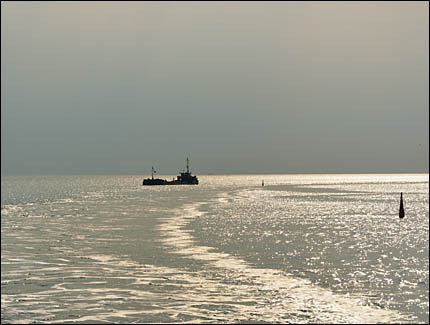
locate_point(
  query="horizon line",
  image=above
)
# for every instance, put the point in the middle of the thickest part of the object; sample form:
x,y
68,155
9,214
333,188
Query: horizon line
x,y
215,174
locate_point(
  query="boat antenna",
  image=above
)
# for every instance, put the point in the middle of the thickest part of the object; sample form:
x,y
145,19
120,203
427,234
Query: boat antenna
x,y
152,172
188,165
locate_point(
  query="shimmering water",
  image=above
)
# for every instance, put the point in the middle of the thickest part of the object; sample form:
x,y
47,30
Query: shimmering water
x,y
302,249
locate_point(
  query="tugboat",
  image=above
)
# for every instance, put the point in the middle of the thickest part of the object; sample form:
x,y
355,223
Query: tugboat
x,y
182,179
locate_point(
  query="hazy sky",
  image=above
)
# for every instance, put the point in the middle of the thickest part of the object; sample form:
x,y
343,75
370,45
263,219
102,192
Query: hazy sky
x,y
239,87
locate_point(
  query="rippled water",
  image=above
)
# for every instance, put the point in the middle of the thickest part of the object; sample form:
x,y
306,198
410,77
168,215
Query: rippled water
x,y
302,249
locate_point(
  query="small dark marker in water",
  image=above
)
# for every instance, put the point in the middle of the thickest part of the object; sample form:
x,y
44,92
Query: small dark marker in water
x,y
262,183
401,210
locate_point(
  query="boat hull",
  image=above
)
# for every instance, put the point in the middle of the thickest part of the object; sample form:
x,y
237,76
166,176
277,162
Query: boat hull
x,y
158,181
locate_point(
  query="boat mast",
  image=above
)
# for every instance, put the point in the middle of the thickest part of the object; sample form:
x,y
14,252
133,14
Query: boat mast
x,y
188,166
152,172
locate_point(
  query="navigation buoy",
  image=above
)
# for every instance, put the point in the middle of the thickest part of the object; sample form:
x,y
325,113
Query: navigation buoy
x,y
401,210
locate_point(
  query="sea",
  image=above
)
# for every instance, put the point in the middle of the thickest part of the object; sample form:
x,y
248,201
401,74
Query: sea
x,y
300,249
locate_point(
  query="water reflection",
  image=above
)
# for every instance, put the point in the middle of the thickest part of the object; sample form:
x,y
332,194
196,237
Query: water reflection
x,y
300,249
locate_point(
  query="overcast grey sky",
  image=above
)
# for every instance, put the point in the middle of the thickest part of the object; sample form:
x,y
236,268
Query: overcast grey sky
x,y
239,87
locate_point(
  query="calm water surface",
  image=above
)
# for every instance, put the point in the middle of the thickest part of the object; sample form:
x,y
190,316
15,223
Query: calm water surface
x,y
301,249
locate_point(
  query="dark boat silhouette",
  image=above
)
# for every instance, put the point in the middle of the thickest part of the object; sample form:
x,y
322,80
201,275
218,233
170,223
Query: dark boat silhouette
x,y
401,210
183,179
